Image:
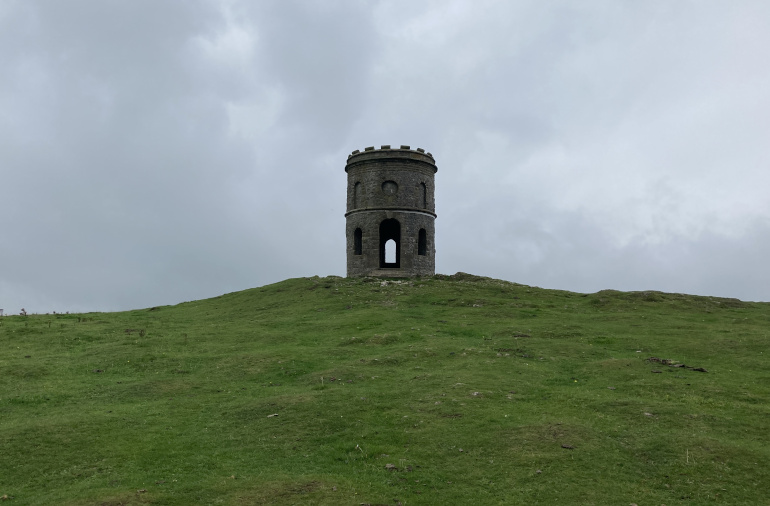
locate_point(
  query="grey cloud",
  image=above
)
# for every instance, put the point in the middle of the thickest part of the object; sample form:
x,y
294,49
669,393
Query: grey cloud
x,y
154,152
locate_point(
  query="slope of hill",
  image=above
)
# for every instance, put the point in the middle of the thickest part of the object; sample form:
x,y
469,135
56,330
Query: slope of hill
x,y
444,390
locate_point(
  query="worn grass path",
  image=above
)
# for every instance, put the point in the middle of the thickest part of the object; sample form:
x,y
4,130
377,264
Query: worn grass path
x,y
445,390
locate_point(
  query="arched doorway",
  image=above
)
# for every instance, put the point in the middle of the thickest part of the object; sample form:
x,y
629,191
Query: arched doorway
x,y
390,230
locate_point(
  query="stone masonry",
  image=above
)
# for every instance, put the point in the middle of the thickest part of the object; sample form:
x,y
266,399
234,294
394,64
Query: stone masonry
x,y
391,198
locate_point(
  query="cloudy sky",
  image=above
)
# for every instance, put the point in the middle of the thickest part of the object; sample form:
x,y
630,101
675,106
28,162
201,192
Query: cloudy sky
x,y
159,151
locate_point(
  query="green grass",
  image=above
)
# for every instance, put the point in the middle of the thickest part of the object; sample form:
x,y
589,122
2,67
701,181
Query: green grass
x,y
444,390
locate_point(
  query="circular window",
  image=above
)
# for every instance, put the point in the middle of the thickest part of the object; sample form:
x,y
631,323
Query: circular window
x,y
389,187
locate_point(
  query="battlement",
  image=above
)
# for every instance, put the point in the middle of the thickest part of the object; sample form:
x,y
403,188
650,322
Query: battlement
x,y
387,152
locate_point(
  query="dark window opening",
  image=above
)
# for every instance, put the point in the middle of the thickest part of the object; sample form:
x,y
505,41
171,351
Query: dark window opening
x,y
422,242
390,230
358,242
424,190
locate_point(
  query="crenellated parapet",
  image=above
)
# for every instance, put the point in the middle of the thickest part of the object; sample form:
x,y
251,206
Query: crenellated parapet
x,y
385,151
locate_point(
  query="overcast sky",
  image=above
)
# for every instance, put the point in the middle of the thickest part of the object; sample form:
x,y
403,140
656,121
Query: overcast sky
x,y
159,151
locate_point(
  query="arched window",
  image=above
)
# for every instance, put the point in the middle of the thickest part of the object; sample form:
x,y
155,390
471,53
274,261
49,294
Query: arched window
x,y
424,195
357,195
358,245
422,242
390,230
390,251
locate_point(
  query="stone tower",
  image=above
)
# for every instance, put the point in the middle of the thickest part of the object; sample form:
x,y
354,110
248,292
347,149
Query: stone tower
x,y
391,212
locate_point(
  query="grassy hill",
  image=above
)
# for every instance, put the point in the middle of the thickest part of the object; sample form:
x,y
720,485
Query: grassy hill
x,y
445,390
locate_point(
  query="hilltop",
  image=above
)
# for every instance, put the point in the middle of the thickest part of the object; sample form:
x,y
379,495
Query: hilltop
x,y
441,390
